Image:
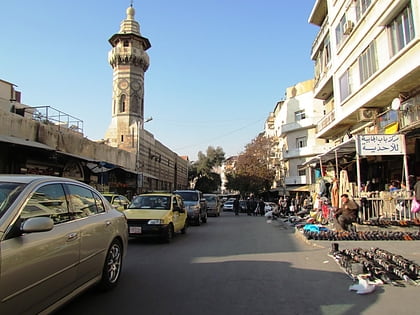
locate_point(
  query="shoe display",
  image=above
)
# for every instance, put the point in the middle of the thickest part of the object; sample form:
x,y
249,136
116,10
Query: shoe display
x,y
379,264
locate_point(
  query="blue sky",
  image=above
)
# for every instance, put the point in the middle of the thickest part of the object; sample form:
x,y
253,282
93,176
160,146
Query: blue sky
x,y
217,67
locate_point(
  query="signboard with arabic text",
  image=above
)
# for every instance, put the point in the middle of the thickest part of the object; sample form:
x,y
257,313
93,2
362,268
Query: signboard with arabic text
x,y
380,145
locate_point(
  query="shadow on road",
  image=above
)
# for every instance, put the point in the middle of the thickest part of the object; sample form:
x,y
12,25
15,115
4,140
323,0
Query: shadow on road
x,y
231,265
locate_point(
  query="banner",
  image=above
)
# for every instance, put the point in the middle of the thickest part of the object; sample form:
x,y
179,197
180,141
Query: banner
x,y
380,144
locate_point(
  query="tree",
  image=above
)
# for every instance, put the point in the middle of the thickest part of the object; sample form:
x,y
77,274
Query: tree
x,y
252,173
208,183
202,171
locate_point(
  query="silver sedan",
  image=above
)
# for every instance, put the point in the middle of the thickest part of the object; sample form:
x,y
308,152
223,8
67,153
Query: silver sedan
x,y
58,237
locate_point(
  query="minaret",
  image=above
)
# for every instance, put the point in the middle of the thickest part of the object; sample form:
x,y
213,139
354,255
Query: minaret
x,y
129,61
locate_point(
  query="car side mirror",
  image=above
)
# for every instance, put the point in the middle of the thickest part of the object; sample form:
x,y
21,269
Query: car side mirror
x,y
37,224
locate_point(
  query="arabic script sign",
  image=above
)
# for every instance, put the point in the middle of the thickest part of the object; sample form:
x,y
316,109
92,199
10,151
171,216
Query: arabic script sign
x,y
380,145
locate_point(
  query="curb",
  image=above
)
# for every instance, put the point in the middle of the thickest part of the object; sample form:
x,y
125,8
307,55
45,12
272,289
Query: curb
x,y
302,237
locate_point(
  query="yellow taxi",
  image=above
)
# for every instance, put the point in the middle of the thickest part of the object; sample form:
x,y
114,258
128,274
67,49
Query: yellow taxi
x,y
119,202
156,215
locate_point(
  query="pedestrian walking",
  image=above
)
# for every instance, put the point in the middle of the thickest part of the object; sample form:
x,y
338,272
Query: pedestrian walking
x,y
261,206
248,206
236,206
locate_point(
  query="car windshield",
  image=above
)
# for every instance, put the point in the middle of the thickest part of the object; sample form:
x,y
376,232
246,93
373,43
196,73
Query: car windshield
x,y
109,198
151,202
188,195
210,198
8,194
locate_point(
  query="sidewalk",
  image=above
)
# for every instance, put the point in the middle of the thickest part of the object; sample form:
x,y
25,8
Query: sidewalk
x,y
408,249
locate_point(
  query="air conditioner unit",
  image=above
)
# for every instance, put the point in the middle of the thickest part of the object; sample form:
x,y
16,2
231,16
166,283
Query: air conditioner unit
x,y
366,114
348,27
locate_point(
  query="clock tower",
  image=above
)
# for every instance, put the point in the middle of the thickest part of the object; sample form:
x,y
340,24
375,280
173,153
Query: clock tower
x,y
129,62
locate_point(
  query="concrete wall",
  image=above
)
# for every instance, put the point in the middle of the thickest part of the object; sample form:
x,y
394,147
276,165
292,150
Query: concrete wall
x,y
63,139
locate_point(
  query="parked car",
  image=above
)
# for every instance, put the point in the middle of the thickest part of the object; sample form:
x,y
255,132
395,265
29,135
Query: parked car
x,y
195,204
213,204
120,202
228,205
58,237
157,215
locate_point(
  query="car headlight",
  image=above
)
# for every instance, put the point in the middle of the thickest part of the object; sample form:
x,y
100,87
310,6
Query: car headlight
x,y
155,221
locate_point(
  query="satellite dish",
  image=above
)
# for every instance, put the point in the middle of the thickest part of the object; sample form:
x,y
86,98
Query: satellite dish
x,y
395,105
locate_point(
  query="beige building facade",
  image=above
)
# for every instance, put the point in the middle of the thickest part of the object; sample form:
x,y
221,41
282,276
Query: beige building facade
x,y
367,69
367,73
293,126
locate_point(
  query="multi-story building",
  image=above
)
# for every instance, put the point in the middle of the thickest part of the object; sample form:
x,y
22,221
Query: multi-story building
x,y
292,126
367,73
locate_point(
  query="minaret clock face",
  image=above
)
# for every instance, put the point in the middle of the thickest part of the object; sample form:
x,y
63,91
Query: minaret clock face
x,y
135,86
123,84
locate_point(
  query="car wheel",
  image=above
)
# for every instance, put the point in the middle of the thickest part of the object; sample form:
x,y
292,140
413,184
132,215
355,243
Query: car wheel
x,y
184,229
169,234
112,266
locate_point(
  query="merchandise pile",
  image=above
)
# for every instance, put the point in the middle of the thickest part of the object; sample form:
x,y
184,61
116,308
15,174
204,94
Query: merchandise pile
x,y
329,235
377,266
383,222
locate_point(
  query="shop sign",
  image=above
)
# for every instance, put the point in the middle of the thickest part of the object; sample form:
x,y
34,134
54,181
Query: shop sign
x,y
380,145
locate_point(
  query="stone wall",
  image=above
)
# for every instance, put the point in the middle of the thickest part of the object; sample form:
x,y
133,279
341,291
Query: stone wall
x,y
63,139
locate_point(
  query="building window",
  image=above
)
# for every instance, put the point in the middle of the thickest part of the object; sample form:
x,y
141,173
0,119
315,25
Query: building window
x,y
301,142
327,51
368,63
122,103
361,7
126,43
401,30
339,30
301,170
345,88
299,115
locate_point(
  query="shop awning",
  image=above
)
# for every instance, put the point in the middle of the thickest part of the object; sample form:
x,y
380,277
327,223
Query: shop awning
x,y
306,188
344,148
79,157
28,143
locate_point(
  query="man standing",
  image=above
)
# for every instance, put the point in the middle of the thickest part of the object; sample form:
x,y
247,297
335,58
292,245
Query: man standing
x,y
236,206
347,214
261,207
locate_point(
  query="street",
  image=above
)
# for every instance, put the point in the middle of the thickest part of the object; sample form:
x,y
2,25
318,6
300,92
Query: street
x,y
237,265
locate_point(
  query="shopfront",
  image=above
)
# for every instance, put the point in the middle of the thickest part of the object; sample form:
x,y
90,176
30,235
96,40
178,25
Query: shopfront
x,y
366,166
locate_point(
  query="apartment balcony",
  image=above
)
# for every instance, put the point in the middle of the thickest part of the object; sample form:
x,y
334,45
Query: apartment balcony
x,y
298,125
302,152
409,114
319,39
324,83
295,180
325,121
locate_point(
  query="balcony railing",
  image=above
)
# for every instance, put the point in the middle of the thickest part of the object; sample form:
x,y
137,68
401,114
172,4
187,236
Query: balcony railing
x,y
320,36
297,125
325,121
50,115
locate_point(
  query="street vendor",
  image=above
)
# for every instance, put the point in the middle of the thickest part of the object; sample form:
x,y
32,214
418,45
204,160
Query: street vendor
x,y
346,214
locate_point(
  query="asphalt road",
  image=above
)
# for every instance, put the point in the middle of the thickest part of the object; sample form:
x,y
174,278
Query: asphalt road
x,y
238,265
